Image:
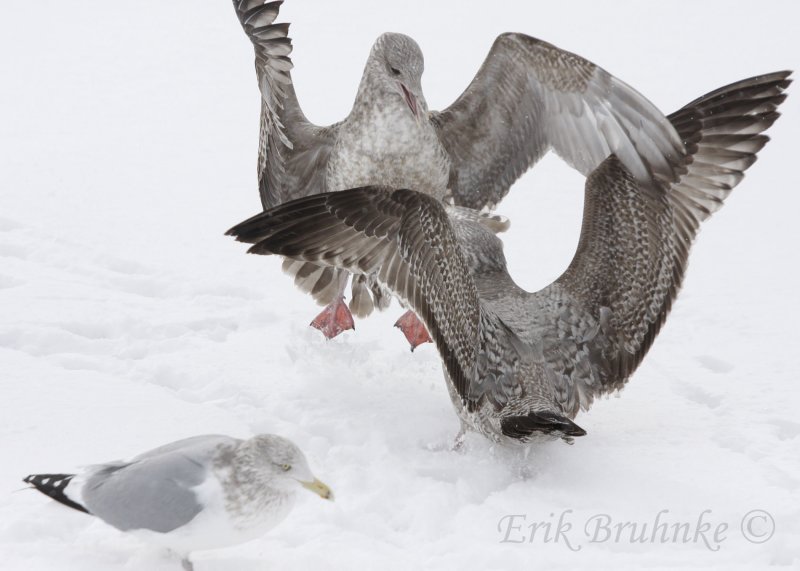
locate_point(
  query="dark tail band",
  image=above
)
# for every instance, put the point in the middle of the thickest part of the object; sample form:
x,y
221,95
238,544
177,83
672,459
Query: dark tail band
x,y
523,427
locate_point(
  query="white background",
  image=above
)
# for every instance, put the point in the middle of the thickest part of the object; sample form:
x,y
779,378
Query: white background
x,y
128,139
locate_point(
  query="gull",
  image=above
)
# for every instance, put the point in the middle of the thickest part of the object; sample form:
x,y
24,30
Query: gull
x,y
199,493
519,366
528,97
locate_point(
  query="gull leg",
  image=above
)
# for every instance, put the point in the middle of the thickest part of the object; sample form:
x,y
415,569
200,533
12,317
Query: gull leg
x,y
413,329
334,319
458,443
186,564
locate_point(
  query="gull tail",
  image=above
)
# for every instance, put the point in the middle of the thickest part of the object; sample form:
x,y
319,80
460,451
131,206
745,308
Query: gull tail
x,y
524,427
54,485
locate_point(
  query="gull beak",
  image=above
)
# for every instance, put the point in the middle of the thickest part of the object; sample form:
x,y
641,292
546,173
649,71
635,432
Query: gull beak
x,y
411,100
318,488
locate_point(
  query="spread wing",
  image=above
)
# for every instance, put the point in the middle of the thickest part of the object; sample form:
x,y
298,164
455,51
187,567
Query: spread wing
x,y
292,152
530,96
599,319
407,240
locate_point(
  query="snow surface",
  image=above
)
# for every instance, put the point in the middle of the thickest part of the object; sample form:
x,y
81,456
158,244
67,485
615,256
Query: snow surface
x,y
128,141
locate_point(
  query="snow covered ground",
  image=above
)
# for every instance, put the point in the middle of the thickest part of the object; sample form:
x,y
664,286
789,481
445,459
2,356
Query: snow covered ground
x,y
127,147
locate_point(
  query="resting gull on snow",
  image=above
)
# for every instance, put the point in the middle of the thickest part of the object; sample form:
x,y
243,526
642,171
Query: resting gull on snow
x,y
528,97
519,365
204,492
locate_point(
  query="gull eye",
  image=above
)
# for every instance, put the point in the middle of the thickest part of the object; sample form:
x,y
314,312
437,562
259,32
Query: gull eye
x,y
286,467
394,70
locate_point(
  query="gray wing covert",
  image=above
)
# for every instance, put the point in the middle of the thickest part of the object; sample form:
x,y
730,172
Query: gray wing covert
x,y
530,96
154,490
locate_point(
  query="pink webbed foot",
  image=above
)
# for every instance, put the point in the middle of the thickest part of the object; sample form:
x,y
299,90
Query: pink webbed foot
x,y
413,329
334,319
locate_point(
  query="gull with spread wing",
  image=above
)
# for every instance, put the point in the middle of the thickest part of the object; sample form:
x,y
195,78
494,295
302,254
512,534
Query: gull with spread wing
x,y
528,97
520,366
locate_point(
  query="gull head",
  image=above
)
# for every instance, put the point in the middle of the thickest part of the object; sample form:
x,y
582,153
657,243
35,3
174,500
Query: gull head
x,y
397,64
285,465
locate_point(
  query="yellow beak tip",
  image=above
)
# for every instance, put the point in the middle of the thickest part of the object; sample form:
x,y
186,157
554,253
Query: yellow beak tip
x,y
320,489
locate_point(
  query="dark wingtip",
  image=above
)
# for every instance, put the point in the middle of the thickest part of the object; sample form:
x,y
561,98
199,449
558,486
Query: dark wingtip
x,y
240,230
235,232
53,485
522,427
235,229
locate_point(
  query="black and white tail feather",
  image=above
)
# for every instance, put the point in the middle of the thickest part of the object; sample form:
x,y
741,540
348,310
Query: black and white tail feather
x,y
54,486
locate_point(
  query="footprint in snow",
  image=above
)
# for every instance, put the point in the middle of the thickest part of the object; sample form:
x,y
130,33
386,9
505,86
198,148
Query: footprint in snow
x,y
700,396
714,365
9,282
6,224
787,429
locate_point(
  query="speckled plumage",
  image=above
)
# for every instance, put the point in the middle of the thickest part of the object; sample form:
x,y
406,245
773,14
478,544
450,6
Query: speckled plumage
x,y
521,365
528,97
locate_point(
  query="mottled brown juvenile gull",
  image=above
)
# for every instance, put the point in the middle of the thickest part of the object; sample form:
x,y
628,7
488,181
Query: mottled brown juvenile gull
x,y
204,492
520,365
528,97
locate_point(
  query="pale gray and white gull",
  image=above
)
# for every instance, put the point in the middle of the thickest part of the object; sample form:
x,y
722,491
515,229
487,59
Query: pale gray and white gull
x,y
528,97
519,366
204,492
